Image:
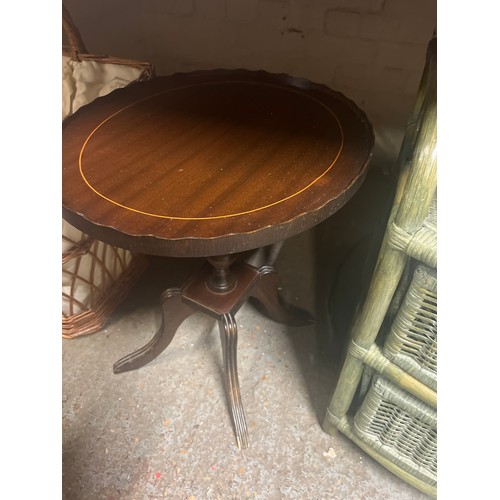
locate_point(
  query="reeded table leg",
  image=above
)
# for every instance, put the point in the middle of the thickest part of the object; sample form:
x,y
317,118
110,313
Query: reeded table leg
x,y
229,340
174,312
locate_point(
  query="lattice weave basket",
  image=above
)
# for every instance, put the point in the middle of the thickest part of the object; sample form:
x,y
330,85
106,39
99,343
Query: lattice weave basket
x,y
400,427
96,277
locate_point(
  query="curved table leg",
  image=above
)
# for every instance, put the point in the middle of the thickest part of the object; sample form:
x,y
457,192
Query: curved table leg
x,y
268,298
174,312
229,339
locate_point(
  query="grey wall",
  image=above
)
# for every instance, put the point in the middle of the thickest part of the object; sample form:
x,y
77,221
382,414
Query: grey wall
x,y
372,50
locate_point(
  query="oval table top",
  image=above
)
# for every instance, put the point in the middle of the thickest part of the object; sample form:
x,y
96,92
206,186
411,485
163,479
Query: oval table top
x,y
211,162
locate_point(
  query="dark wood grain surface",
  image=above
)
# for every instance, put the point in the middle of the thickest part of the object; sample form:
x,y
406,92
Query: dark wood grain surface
x,y
211,162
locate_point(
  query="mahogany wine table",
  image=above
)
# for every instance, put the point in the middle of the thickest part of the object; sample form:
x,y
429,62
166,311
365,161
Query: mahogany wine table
x,y
211,164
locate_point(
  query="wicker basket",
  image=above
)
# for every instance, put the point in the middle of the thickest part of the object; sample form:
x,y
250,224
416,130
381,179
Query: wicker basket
x,y
412,340
96,276
74,48
399,427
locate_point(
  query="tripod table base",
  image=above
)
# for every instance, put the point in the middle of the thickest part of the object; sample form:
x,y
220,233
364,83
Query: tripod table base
x,y
219,289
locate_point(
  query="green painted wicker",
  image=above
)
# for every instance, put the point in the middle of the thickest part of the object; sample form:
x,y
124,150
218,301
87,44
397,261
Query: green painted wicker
x,y
395,421
420,245
412,340
400,427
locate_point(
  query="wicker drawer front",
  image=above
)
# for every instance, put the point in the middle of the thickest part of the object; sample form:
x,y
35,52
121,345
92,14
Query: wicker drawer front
x,y
400,427
412,340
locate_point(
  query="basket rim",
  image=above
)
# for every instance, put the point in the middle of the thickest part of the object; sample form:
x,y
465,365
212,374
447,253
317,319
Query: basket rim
x,y
77,51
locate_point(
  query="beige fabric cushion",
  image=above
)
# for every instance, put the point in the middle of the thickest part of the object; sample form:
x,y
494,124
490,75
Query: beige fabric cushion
x,y
86,80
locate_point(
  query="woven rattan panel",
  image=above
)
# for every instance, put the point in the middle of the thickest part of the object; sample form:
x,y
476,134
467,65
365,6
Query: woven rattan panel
x,y
412,340
400,427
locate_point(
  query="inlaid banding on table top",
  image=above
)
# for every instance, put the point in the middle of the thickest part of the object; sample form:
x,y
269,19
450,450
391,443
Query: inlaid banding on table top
x,y
278,146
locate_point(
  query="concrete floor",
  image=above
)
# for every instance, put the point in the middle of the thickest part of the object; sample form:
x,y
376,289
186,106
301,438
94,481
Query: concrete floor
x,y
164,431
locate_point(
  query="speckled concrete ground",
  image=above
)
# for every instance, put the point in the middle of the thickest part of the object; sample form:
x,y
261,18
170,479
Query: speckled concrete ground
x,y
164,431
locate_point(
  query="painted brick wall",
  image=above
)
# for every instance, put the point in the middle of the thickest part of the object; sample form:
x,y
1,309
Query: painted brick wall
x,y
372,50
